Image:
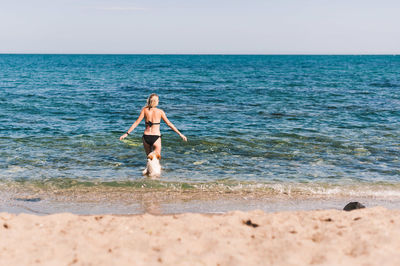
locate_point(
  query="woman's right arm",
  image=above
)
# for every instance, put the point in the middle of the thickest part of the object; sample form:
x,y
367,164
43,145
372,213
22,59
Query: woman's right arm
x,y
164,117
134,125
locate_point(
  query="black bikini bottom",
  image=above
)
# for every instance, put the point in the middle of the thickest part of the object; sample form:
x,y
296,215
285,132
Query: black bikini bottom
x,y
150,139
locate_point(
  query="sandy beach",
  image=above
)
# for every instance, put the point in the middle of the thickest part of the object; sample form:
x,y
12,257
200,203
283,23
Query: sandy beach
x,y
368,236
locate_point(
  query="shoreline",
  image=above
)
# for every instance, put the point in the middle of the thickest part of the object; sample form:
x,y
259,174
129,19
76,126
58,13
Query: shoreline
x,y
127,202
329,237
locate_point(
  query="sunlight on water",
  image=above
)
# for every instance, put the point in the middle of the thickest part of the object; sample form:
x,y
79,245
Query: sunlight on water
x,y
288,124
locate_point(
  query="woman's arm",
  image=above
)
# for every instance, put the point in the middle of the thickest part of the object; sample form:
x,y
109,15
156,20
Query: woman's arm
x,y
133,125
164,117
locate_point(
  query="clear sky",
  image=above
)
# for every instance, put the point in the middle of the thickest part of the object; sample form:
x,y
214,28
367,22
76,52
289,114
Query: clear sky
x,y
202,26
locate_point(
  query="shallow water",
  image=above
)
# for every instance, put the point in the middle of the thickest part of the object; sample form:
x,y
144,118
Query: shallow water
x,y
316,124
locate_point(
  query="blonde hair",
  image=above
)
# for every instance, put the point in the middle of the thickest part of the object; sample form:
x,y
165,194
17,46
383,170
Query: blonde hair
x,y
152,101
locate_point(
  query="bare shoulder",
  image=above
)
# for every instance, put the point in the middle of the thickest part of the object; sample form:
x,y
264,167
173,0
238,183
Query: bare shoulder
x,y
161,111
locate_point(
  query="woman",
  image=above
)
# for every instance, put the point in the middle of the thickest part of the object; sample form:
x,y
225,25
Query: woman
x,y
152,135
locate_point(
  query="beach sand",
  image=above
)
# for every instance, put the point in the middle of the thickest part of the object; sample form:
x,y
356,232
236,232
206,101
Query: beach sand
x,y
368,236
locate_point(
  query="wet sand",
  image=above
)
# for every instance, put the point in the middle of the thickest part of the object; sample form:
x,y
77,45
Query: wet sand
x,y
123,201
368,236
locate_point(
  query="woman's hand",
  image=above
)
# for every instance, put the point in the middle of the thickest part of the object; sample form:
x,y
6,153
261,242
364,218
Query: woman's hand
x,y
123,136
183,137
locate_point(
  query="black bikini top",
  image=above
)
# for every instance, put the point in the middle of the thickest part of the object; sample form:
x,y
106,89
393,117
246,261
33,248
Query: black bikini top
x,y
149,123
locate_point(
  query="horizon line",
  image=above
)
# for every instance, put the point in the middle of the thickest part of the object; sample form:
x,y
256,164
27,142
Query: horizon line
x,y
332,54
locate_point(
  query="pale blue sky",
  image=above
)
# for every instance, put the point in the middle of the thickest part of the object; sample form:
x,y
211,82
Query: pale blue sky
x,y
204,26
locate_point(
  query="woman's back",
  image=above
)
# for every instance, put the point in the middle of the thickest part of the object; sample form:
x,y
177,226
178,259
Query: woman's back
x,y
152,118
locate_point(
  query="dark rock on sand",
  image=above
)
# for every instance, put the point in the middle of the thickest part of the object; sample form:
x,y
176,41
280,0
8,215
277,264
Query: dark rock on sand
x,y
353,206
250,223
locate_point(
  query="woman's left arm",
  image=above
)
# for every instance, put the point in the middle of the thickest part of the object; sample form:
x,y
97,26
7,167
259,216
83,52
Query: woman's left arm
x,y
134,125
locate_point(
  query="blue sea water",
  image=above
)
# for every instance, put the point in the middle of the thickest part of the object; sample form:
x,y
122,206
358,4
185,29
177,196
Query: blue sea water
x,y
257,119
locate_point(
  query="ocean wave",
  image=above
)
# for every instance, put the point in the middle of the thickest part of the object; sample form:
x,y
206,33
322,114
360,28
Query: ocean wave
x,y
257,189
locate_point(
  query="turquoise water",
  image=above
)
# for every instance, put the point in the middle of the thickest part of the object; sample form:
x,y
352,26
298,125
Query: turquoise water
x,y
317,121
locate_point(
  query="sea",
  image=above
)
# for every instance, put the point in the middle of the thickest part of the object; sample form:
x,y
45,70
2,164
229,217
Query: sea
x,y
266,125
